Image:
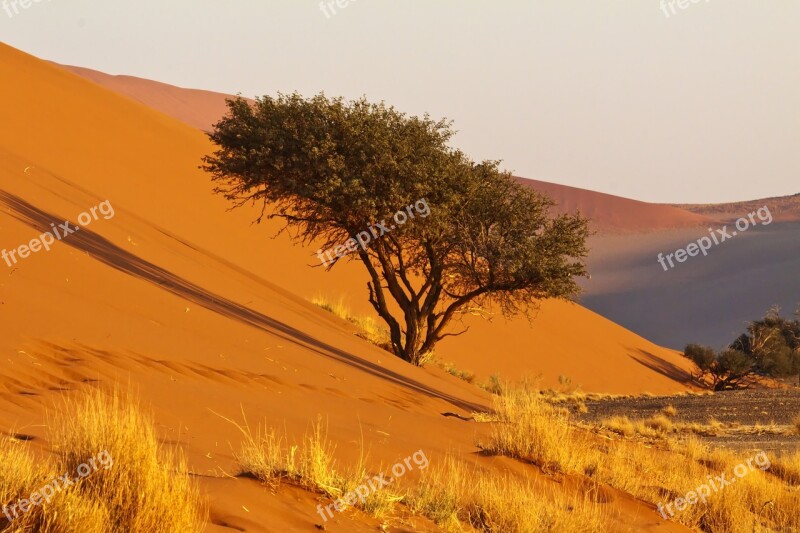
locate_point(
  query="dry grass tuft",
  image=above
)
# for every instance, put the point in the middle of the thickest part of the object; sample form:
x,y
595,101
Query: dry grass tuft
x,y
660,424
458,499
620,424
787,468
368,328
451,369
796,424
669,411
138,485
528,428
268,458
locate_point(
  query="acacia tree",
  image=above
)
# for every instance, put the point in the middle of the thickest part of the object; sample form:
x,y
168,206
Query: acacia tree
x,y
331,168
729,368
774,343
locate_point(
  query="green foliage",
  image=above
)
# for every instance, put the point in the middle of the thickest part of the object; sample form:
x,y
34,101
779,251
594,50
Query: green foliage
x,y
773,343
702,356
770,347
728,368
331,168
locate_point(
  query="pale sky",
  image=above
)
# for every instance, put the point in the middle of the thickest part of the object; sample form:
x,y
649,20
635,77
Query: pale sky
x,y
702,105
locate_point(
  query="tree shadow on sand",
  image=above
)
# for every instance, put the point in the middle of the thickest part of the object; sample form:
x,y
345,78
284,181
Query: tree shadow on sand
x,y
112,255
665,368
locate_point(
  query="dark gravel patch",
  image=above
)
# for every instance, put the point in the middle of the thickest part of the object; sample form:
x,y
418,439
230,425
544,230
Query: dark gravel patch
x,y
745,407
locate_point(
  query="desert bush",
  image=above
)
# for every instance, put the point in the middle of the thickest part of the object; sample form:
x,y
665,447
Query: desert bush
x,y
769,347
728,368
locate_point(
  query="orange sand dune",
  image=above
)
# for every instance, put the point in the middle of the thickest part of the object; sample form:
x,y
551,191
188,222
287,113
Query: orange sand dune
x,y
208,318
615,214
200,109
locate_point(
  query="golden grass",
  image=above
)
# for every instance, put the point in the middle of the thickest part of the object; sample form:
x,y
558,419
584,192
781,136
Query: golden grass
x,y
369,329
137,486
796,424
449,494
310,465
787,468
621,425
454,497
656,427
451,369
530,429
495,385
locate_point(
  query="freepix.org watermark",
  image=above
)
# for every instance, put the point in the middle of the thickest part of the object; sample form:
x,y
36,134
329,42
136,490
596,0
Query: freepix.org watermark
x,y
668,7
47,492
375,484
57,232
331,5
703,491
716,237
15,5
375,231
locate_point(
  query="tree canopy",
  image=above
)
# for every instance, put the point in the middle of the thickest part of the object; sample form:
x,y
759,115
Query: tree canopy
x,y
332,168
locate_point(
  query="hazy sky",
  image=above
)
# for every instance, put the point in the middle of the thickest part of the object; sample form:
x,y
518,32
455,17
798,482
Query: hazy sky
x,y
702,105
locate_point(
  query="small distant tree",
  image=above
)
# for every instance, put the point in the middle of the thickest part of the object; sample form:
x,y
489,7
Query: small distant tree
x,y
773,343
728,369
769,347
330,169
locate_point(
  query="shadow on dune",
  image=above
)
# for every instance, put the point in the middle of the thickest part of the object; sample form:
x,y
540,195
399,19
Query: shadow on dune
x,y
112,255
665,368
